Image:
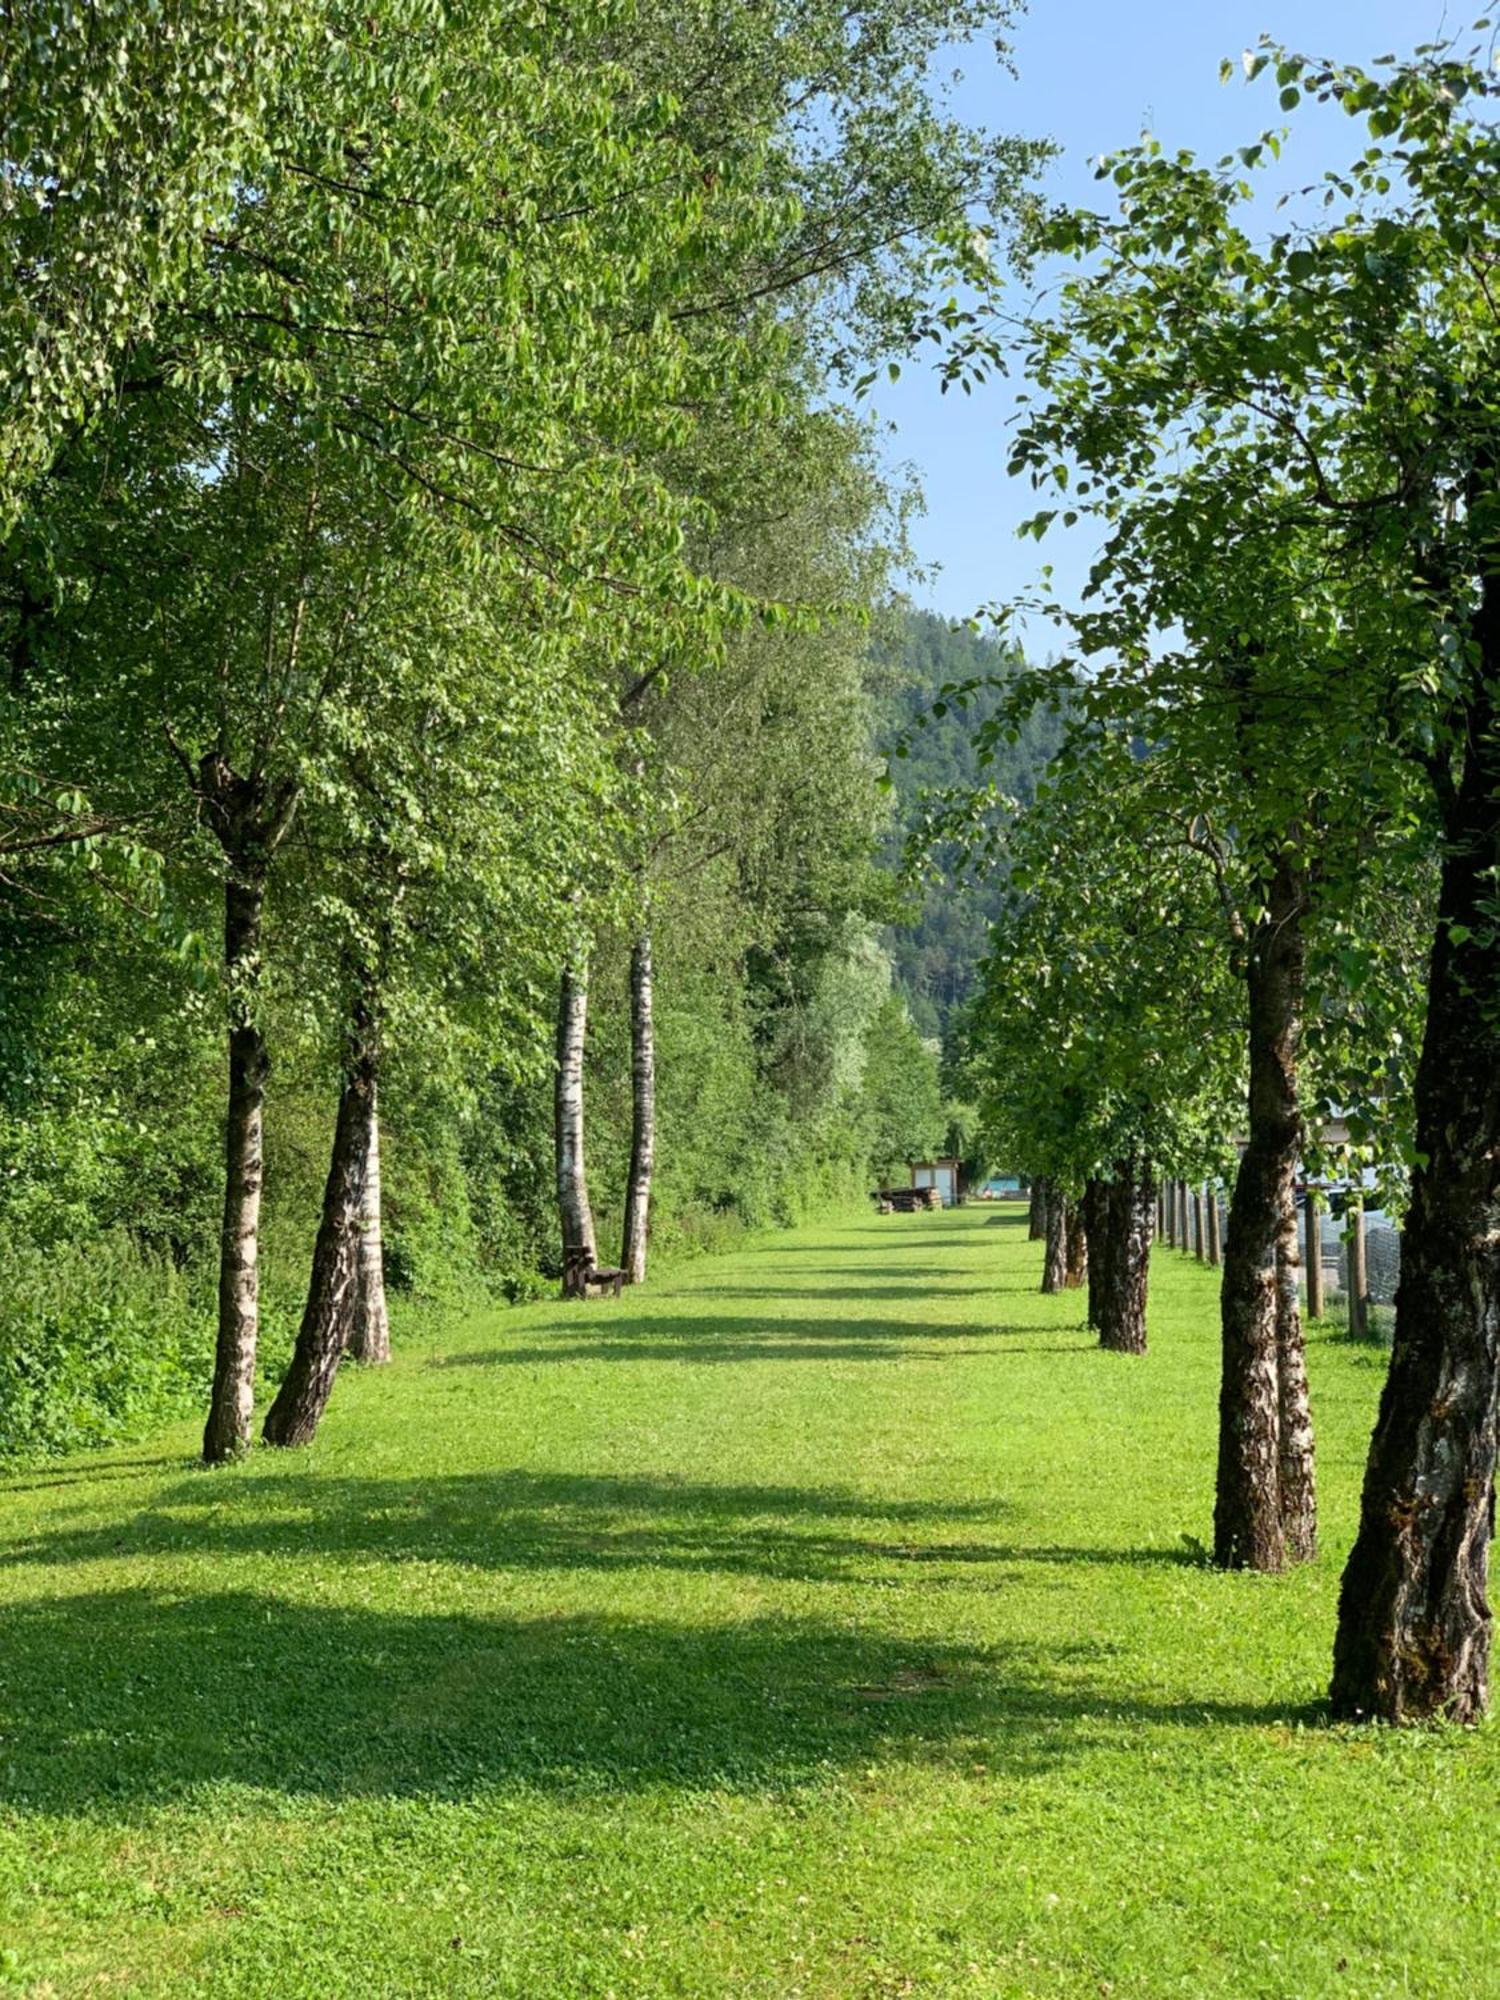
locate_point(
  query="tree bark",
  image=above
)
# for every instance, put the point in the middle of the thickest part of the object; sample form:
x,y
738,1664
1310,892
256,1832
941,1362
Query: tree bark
x,y
1077,1252
249,817
1249,1529
643,1113
232,1398
1055,1258
1215,1241
1312,1256
294,1416
370,1333
1096,1225
1414,1618
1044,1198
1295,1469
1122,1320
1036,1221
1184,1220
580,1253
1200,1248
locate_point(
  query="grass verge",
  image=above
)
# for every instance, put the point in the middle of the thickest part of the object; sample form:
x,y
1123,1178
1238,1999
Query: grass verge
x,y
824,1622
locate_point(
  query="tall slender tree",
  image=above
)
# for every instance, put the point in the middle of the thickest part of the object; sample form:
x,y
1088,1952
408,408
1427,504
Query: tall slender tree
x,y
1332,382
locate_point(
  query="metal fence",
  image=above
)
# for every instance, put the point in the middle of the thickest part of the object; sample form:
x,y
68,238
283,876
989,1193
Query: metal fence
x,y
1382,1254
1382,1257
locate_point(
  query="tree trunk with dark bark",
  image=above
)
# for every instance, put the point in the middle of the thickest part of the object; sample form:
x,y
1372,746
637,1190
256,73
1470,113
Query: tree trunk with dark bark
x,y
1096,1226
1055,1256
1036,1220
1249,1528
308,1383
643,1113
580,1251
1122,1320
370,1333
1414,1617
1077,1253
1215,1241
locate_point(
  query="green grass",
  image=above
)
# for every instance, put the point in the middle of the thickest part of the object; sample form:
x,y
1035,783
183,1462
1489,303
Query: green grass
x,y
822,1623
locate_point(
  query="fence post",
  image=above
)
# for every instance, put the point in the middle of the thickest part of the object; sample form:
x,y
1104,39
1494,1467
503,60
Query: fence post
x,y
1215,1242
1359,1277
1312,1256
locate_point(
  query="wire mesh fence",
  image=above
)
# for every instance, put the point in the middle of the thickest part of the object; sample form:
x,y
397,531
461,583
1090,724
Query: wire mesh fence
x,y
1382,1271
1383,1262
1185,1219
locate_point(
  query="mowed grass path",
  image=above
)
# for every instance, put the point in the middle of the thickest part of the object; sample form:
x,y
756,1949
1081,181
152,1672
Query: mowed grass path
x,y
820,1622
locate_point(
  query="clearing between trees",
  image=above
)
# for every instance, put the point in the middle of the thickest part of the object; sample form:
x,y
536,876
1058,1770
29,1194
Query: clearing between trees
x,y
831,1620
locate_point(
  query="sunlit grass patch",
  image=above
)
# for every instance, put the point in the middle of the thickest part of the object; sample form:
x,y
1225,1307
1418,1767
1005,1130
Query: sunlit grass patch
x,y
830,1620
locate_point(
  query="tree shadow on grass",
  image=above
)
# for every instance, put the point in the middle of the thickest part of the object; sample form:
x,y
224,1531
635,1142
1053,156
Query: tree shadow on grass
x,y
527,1521
38,1479
723,1337
522,1522
885,1232
700,1347
116,1701
942,1288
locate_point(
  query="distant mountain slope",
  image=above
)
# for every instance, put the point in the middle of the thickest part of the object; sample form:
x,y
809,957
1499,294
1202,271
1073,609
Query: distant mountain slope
x,y
936,956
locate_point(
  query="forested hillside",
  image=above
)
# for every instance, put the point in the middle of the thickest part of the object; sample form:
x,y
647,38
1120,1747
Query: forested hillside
x,y
939,950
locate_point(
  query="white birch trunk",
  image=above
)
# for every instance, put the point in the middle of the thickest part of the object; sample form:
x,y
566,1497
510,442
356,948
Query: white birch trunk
x,y
370,1334
643,1113
579,1250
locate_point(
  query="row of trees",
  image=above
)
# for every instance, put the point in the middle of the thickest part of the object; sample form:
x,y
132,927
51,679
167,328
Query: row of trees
x,y
1264,882
416,462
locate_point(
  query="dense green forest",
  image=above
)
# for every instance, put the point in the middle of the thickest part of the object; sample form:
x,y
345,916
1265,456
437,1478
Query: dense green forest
x,y
788,1068
440,557
937,950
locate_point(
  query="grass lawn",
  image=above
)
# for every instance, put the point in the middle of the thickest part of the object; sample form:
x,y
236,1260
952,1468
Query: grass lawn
x,y
825,1621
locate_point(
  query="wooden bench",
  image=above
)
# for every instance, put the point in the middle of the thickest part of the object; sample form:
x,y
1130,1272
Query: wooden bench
x,y
581,1273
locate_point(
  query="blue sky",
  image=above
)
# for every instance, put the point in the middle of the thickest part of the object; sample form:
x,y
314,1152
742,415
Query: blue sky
x,y
1093,74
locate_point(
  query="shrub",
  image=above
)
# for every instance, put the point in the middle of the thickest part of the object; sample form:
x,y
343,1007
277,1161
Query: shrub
x,y
98,1342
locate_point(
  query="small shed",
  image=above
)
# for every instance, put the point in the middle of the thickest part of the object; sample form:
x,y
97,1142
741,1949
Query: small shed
x,y
940,1174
